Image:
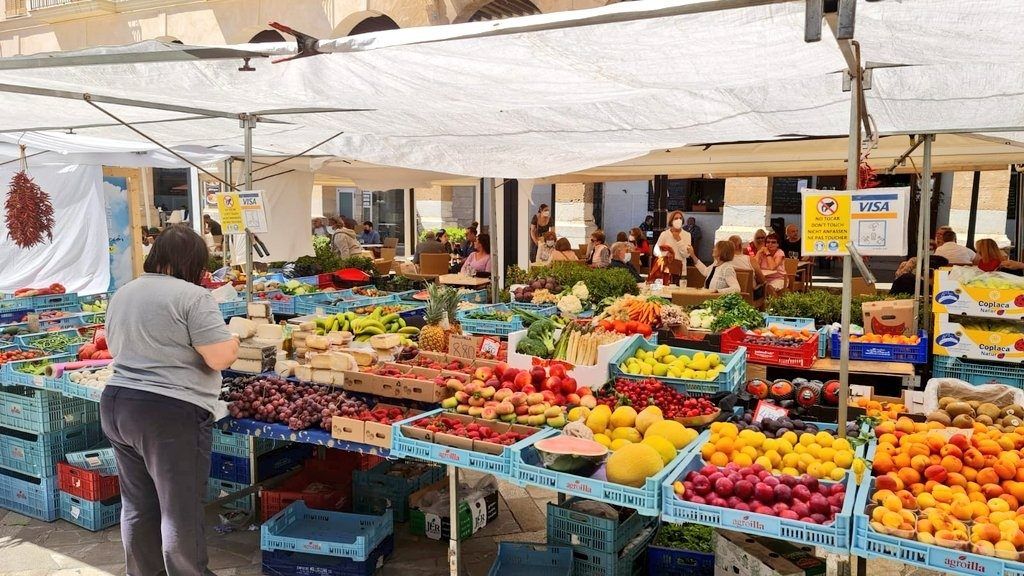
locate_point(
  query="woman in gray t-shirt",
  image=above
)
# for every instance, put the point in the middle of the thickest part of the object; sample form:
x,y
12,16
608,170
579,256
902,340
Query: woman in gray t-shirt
x,y
169,343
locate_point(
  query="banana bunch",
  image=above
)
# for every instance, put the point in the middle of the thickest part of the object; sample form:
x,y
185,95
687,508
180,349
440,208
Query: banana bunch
x,y
362,327
990,325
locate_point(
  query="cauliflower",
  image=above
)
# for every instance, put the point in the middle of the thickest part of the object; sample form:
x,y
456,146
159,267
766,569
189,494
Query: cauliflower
x,y
570,304
580,291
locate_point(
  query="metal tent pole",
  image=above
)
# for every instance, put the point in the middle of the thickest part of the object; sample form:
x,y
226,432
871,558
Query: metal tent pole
x,y
926,206
490,184
924,199
248,122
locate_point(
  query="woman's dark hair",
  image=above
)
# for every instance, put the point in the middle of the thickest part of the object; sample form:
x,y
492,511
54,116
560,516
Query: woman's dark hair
x,y
440,235
621,237
485,242
179,252
542,208
598,236
563,245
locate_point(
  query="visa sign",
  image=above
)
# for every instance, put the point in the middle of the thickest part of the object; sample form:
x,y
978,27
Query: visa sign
x,y
873,206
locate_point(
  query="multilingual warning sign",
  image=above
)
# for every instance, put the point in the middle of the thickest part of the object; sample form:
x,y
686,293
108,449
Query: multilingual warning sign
x,y
874,220
242,210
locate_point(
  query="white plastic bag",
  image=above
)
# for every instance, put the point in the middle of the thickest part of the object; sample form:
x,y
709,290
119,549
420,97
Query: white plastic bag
x,y
998,394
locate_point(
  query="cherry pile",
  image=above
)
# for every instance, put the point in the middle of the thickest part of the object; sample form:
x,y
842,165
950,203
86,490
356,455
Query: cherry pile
x,y
473,430
643,393
300,406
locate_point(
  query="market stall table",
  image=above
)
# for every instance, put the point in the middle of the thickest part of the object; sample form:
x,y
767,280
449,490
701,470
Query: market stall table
x,y
463,281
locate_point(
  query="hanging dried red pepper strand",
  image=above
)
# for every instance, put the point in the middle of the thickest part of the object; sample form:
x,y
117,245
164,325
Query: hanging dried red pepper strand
x,y
29,212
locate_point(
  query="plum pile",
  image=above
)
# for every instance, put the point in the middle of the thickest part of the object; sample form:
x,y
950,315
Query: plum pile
x,y
299,406
776,427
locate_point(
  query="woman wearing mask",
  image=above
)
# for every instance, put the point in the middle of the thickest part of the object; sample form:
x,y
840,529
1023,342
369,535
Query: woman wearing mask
x,y
563,252
547,248
158,407
479,262
539,226
720,277
677,239
598,255
641,245
771,260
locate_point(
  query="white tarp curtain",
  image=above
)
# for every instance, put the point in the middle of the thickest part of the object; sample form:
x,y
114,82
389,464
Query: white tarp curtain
x,y
78,256
49,148
288,207
541,103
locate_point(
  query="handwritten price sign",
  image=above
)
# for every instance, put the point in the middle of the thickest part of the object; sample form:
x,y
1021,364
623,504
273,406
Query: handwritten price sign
x,y
462,346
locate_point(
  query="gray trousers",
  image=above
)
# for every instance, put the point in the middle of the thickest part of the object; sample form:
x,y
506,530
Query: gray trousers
x,y
162,446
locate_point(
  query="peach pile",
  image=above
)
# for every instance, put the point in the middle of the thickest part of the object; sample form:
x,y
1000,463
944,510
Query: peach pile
x,y
963,491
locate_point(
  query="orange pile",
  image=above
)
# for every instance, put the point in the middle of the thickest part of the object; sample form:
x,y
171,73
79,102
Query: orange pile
x,y
944,483
881,410
886,339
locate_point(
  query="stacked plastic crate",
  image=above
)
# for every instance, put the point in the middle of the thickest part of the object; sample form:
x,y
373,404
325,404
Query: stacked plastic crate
x,y
231,464
37,428
90,494
601,545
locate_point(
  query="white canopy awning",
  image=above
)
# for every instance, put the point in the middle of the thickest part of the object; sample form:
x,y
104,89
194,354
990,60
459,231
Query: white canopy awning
x,y
559,93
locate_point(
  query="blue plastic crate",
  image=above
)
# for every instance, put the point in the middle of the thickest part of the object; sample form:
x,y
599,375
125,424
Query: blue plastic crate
x,y
790,322
94,459
62,323
728,381
10,376
525,559
27,340
298,528
494,327
93,516
76,390
571,527
914,354
834,537
217,489
237,444
629,562
230,468
233,308
361,301
473,296
37,454
527,469
823,341
284,306
377,490
403,446
14,309
34,497
41,411
675,562
280,563
279,460
308,303
978,372
67,301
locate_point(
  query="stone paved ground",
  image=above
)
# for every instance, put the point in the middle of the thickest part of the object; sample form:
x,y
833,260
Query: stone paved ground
x,y
32,548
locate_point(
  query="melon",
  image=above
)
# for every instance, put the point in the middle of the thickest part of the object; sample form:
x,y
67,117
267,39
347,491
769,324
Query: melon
x,y
572,455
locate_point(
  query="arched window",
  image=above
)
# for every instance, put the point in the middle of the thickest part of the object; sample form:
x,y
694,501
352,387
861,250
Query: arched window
x,y
374,24
267,36
499,9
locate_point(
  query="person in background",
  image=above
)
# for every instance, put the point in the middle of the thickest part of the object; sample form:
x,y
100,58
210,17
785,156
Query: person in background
x,y
939,232
953,252
598,254
147,241
547,248
479,262
905,281
369,235
539,226
184,213
563,252
757,243
621,259
648,226
641,245
430,245
990,258
442,237
158,406
344,242
622,237
771,262
720,277
215,230
676,238
321,228
791,244
469,244
695,233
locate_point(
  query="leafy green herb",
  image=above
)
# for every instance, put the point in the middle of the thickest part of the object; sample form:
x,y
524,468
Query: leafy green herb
x,y
692,537
731,310
606,283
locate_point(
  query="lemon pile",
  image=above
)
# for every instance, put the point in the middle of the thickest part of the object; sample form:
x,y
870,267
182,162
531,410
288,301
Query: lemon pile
x,y
661,362
820,455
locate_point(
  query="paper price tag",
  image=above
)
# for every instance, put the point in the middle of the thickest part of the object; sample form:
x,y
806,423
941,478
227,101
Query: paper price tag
x,y
432,528
490,346
462,346
76,512
38,381
478,508
768,410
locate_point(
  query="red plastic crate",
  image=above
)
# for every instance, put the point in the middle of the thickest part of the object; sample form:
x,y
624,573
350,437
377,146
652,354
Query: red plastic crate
x,y
325,280
352,460
86,484
321,484
802,356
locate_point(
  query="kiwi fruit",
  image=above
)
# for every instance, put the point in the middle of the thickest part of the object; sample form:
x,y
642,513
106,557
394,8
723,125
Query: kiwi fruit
x,y
984,419
988,409
974,404
939,416
963,421
1011,421
957,408
946,401
1013,410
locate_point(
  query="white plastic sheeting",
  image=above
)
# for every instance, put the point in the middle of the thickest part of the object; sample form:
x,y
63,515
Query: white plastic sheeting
x,y
78,256
288,204
536,103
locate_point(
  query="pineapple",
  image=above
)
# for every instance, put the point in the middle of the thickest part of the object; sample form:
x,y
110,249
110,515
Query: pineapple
x,y
451,307
434,335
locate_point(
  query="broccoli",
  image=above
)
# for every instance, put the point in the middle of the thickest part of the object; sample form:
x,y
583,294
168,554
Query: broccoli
x,y
532,347
543,331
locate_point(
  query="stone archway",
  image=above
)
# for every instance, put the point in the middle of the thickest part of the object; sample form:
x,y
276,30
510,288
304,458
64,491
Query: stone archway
x,y
364,22
264,36
483,10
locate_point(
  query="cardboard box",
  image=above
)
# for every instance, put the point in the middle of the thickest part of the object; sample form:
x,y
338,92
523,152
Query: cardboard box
x,y
958,336
367,432
894,317
454,441
473,514
364,383
741,555
952,297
